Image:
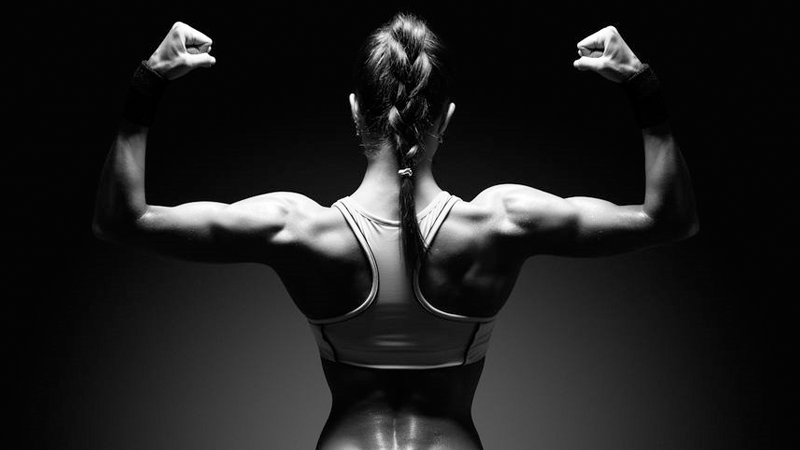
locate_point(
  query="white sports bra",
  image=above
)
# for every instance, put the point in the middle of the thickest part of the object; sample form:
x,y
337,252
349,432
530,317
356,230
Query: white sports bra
x,y
396,327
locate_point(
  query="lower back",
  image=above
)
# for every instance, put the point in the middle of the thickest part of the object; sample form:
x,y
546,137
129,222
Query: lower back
x,y
399,409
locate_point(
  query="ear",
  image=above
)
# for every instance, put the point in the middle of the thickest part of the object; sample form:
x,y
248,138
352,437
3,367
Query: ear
x,y
354,107
450,110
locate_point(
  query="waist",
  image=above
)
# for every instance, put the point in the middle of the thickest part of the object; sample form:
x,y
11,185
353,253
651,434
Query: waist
x,y
442,392
401,408
388,432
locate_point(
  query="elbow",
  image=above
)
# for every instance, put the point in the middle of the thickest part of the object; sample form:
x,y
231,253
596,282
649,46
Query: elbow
x,y
97,230
692,228
112,230
116,219
99,225
684,231
103,231
689,225
676,229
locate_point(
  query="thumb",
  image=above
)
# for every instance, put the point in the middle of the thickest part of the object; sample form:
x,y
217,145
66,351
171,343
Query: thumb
x,y
200,60
589,63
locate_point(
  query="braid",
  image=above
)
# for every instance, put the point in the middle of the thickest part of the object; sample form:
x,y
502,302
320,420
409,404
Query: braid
x,y
395,80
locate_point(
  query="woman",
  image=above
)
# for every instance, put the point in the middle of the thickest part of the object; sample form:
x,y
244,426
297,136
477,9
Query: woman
x,y
400,280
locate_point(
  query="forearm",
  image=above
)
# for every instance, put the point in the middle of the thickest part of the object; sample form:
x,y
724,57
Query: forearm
x,y
121,194
669,200
669,197
121,197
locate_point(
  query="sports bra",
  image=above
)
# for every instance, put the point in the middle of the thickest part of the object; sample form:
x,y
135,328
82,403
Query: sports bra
x,y
396,327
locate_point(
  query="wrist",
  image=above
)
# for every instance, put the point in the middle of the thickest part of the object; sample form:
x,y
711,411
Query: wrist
x,y
157,65
634,68
146,89
127,128
661,130
643,90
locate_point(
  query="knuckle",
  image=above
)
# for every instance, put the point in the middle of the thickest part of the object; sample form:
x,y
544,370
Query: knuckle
x,y
177,24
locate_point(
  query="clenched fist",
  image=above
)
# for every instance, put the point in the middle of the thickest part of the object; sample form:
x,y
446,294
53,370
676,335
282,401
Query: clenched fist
x,y
183,49
606,53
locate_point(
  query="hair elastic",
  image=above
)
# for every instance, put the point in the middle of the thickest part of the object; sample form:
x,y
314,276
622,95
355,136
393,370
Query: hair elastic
x,y
407,172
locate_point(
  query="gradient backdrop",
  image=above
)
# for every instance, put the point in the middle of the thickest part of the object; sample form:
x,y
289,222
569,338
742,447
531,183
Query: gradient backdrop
x,y
683,346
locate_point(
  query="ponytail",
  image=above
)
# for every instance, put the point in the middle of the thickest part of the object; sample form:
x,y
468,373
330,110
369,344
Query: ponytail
x,y
401,85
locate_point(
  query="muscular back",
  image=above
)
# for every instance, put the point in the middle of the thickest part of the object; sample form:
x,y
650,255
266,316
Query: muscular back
x,y
469,269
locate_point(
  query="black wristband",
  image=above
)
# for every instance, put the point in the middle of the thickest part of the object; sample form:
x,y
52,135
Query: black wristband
x,y
145,91
644,92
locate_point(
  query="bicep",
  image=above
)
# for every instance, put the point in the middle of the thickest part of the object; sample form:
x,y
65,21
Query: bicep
x,y
246,231
601,227
544,223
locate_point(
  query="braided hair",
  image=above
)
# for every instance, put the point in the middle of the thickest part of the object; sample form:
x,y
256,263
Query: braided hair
x,y
401,83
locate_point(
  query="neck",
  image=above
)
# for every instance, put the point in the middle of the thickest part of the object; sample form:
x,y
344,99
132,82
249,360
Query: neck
x,y
380,187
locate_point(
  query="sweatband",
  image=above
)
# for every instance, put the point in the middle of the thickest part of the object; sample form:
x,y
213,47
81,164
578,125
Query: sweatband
x,y
644,92
145,91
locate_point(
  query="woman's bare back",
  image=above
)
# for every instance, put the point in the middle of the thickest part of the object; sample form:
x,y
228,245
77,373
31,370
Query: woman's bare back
x,y
400,408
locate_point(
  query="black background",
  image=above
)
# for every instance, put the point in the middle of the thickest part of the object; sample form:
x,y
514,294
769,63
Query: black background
x,y
686,345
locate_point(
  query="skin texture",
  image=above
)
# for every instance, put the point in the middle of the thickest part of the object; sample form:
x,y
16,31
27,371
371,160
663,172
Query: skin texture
x,y
419,409
471,268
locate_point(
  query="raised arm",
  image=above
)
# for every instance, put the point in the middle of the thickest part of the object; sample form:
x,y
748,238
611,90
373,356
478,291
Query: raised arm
x,y
206,231
543,223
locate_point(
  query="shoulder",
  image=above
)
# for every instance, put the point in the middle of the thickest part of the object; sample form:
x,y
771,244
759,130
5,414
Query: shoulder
x,y
515,208
293,214
517,220
283,203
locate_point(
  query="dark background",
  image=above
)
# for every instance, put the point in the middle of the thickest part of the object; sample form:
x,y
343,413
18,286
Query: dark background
x,y
682,346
